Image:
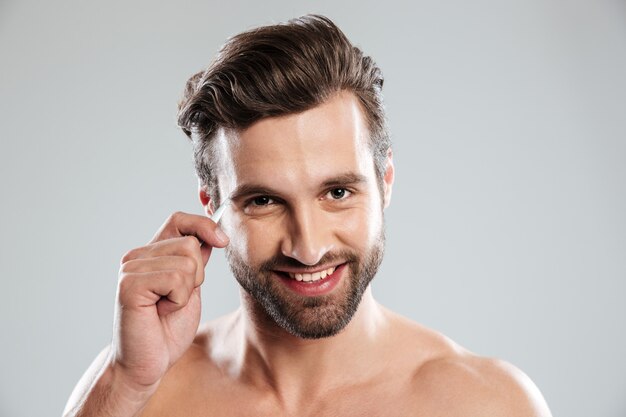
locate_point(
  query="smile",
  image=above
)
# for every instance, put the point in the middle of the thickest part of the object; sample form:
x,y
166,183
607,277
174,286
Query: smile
x,y
311,284
315,276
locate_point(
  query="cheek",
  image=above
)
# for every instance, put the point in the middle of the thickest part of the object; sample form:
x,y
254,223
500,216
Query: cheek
x,y
239,239
360,227
254,241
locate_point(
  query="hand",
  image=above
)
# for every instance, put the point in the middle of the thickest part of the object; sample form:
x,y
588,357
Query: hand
x,y
158,299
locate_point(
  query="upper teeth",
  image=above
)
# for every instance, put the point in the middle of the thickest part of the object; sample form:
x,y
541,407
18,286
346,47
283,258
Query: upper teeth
x,y
314,276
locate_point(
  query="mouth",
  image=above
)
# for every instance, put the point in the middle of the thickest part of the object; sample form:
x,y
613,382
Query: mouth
x,y
312,277
312,283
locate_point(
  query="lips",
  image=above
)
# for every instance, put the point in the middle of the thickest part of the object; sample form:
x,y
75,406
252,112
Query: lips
x,y
312,277
312,284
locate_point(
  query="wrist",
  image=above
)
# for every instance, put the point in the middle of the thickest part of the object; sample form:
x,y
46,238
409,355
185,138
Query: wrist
x,y
125,396
126,386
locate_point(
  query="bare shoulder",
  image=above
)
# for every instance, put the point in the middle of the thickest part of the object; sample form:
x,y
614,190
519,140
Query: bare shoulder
x,y
450,380
209,349
198,378
470,383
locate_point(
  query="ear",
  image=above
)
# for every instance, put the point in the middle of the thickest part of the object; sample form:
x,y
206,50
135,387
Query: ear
x,y
388,179
205,199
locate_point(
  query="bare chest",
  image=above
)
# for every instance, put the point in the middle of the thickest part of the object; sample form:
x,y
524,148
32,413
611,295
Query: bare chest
x,y
385,399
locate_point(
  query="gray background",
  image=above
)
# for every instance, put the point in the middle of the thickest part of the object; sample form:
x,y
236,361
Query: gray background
x,y
506,230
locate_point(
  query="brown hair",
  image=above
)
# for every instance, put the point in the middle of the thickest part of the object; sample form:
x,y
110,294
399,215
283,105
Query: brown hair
x,y
277,70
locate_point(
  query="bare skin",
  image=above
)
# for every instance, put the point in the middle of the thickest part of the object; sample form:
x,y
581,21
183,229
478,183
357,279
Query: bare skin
x,y
162,364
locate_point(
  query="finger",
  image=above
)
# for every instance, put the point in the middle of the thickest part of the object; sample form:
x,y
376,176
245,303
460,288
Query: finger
x,y
205,251
145,289
184,247
165,306
186,264
184,224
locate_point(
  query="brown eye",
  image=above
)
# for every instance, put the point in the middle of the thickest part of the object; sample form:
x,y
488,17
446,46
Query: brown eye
x,y
338,193
261,201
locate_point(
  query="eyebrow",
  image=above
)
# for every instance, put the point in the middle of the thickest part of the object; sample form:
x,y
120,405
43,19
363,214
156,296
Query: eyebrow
x,y
349,178
341,180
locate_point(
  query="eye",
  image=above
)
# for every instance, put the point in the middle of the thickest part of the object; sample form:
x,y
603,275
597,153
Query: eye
x,y
260,201
338,193
260,205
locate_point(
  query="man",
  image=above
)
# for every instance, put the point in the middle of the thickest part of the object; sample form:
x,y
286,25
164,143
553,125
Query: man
x,y
290,138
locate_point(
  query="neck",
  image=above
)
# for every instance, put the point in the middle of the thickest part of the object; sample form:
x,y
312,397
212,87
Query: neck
x,y
296,368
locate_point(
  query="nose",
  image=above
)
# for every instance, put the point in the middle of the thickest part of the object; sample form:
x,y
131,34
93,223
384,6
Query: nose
x,y
307,239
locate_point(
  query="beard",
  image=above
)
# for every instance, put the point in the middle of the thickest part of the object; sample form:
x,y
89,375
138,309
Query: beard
x,y
309,317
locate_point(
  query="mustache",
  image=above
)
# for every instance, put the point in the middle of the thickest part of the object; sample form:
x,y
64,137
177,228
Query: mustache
x,y
282,261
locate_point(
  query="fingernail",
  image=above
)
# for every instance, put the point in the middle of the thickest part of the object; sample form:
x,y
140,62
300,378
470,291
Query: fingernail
x,y
221,235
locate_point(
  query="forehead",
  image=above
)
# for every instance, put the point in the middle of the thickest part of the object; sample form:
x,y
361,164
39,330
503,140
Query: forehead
x,y
298,150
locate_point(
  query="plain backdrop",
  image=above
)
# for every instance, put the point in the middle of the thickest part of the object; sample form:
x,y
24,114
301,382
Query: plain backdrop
x,y
506,231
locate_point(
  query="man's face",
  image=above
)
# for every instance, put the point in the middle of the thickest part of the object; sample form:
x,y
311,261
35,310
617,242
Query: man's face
x,y
305,223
